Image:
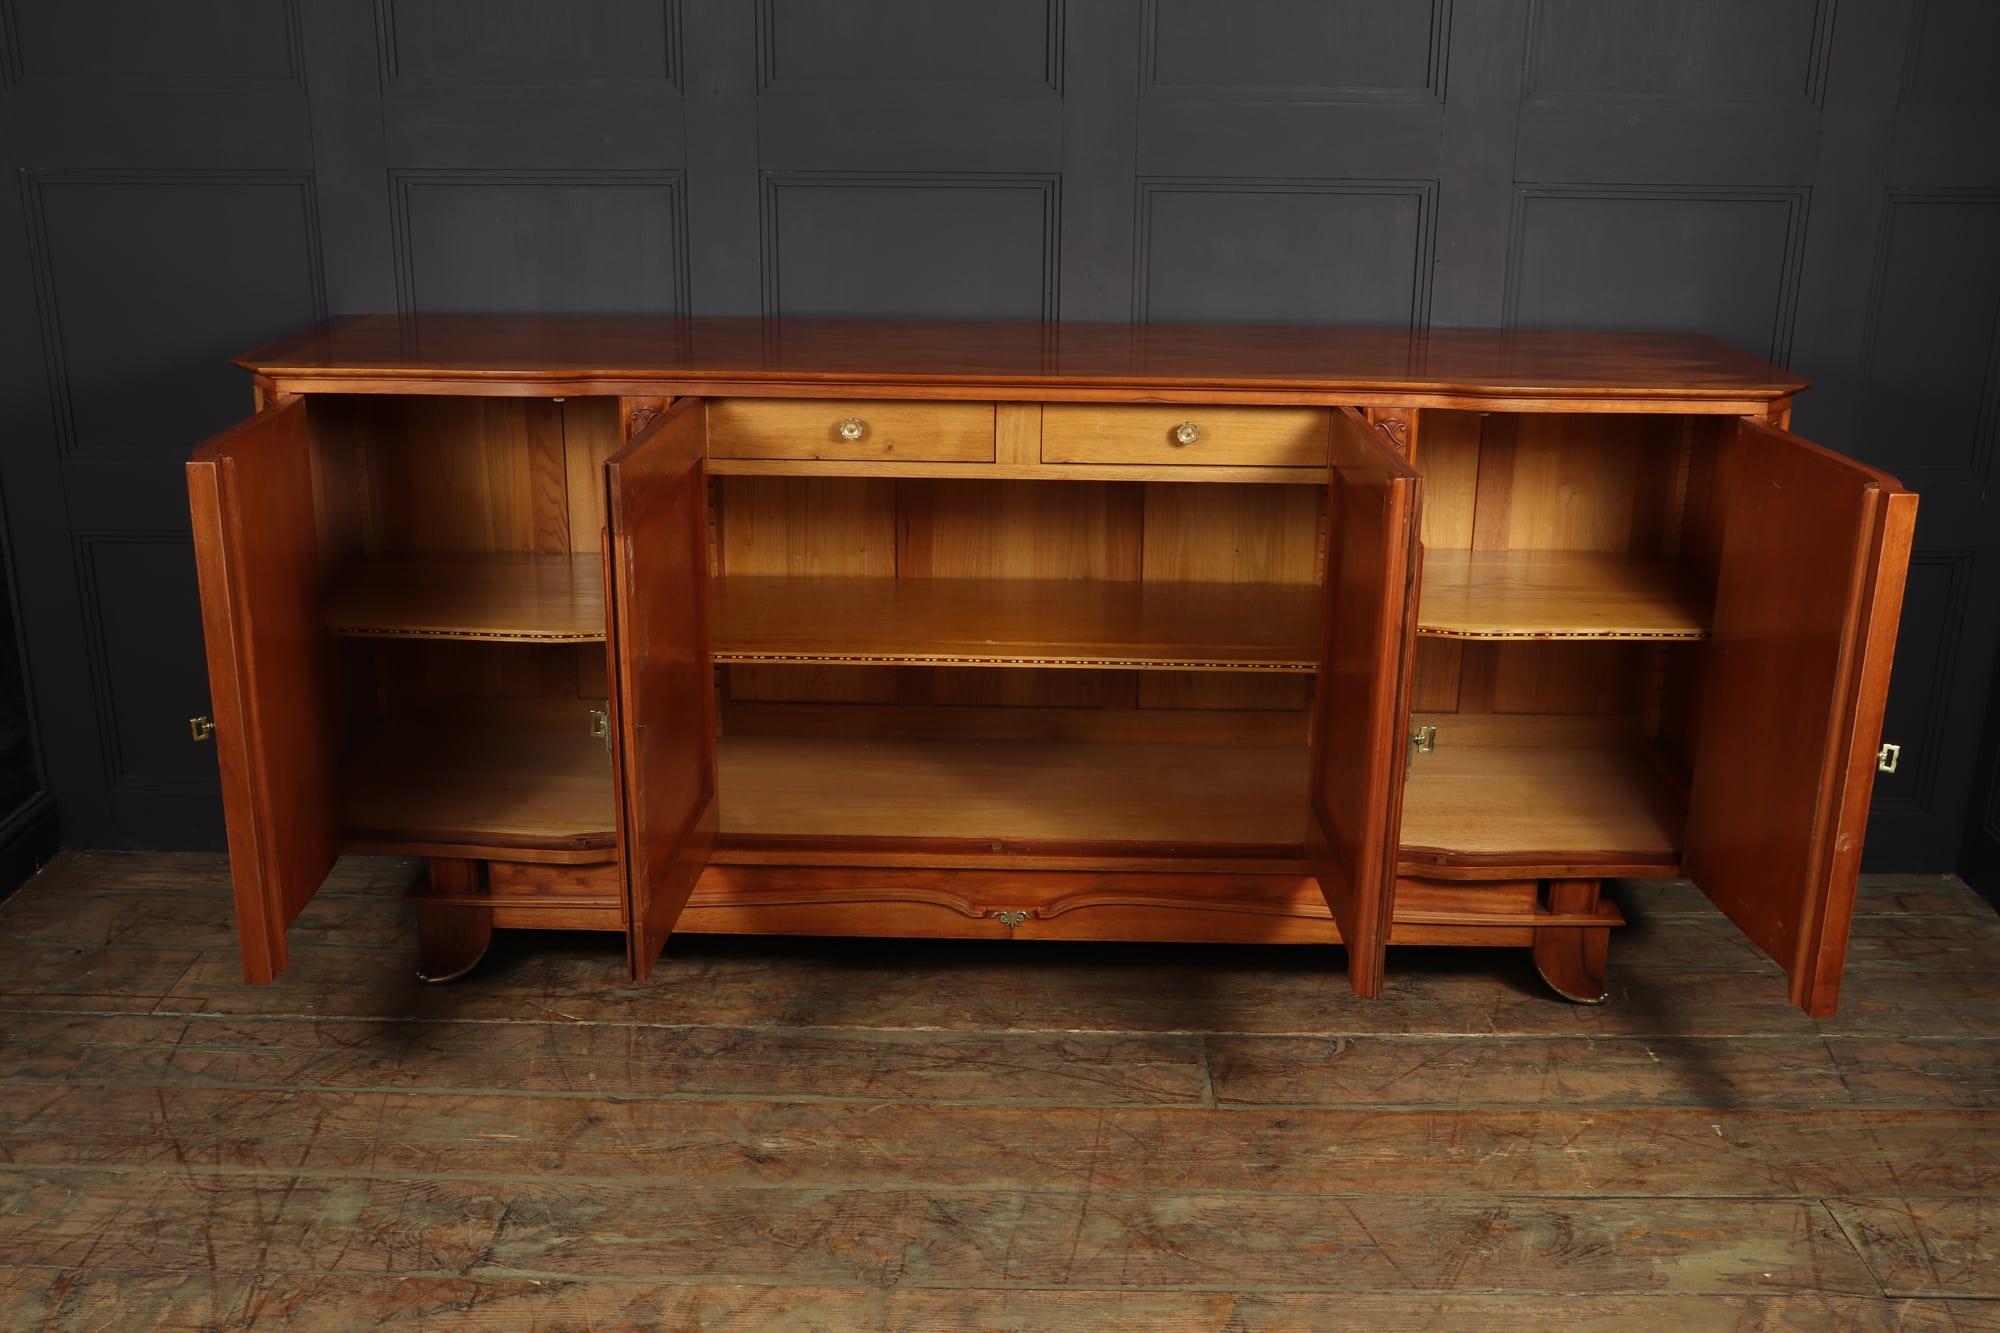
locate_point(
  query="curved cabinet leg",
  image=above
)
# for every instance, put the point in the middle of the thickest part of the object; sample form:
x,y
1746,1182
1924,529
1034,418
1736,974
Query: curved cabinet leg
x,y
451,940
1571,958
452,936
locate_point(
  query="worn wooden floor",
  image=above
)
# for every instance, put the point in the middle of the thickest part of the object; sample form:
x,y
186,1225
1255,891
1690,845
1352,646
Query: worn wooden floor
x,y
845,1135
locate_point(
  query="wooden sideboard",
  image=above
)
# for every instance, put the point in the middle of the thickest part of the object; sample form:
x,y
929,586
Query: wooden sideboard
x,y
1291,635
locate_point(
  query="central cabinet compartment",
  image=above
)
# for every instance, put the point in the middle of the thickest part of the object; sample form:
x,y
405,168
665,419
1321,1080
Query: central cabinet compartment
x,y
1073,671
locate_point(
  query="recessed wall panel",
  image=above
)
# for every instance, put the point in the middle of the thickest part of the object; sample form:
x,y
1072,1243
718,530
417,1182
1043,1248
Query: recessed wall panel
x,y
919,246
1721,261
1693,49
541,242
149,282
1346,253
527,42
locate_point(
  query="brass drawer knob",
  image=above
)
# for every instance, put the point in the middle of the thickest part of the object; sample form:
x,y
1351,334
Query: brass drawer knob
x,y
851,429
1186,433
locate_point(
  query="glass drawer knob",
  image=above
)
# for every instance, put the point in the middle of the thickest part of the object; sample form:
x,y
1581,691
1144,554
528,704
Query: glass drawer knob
x,y
851,429
1186,433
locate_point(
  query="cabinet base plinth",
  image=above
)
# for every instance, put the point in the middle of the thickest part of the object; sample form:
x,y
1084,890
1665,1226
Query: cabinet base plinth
x,y
1566,923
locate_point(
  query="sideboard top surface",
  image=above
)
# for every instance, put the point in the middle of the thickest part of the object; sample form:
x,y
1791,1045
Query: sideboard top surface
x,y
575,349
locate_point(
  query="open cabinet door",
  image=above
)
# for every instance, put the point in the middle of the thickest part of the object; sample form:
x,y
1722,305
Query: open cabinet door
x,y
662,684
250,493
1809,587
1361,711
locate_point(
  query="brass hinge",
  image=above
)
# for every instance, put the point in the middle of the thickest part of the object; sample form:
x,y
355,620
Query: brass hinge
x,y
1888,757
201,728
1423,741
600,724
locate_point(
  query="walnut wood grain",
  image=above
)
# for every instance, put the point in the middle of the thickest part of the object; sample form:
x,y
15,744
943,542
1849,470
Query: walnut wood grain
x,y
663,703
1814,548
1571,962
617,350
277,735
1361,712
1576,475
454,924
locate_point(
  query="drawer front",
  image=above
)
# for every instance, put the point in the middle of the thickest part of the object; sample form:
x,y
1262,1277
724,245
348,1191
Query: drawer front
x,y
1222,436
850,429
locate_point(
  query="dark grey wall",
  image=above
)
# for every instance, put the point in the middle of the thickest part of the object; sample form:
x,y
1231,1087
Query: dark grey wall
x,y
1814,179
1979,862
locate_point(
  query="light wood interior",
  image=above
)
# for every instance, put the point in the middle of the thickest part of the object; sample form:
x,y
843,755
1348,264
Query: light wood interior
x,y
1540,803
503,596
1529,594
1173,545
1195,604
1540,528
522,789
1085,622
1557,600
857,622
1159,795
461,541
505,790
1025,622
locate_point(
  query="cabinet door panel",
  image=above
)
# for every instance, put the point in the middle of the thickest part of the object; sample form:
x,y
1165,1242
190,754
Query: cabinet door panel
x,y
1362,712
663,693
250,493
1796,672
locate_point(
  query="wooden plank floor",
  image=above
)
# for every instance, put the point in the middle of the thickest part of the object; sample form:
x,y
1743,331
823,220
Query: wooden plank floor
x,y
845,1135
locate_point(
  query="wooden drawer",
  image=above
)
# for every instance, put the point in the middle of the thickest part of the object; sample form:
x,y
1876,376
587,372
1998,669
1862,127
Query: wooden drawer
x,y
887,432
1225,436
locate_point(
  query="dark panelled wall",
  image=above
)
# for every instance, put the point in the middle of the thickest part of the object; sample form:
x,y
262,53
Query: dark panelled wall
x,y
1815,180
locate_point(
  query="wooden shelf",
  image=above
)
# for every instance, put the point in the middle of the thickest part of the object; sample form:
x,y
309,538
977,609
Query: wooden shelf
x,y
507,788
1069,792
503,597
1058,623
1559,595
1538,805
1001,622
529,793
